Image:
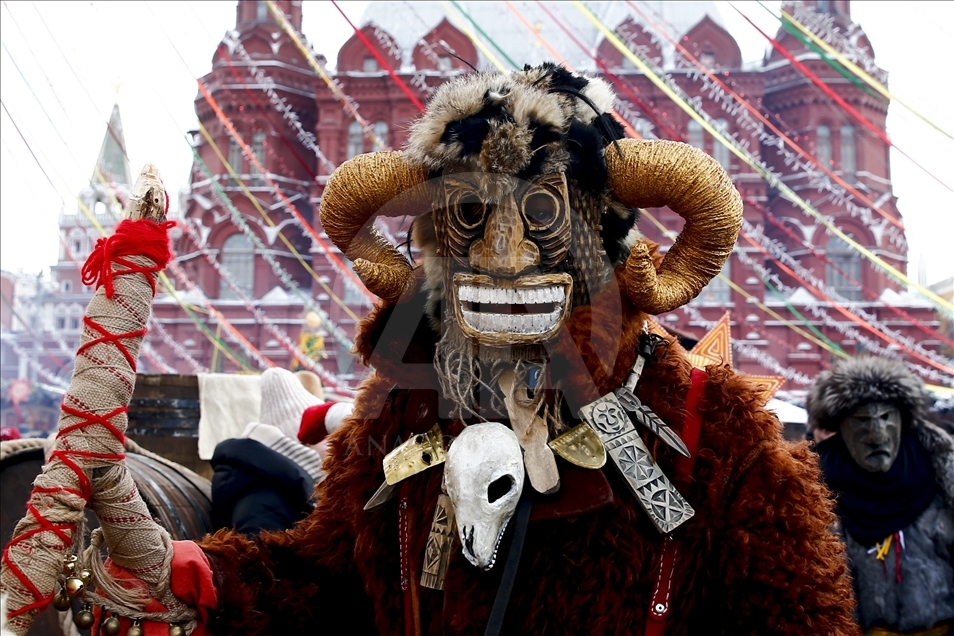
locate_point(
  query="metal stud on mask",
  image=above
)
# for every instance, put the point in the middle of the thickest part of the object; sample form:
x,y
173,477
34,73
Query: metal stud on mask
x,y
483,475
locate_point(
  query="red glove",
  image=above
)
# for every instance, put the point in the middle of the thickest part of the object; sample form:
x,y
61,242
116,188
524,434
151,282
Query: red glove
x,y
192,583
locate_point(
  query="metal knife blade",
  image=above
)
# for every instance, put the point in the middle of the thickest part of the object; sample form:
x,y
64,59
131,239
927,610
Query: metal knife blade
x,y
645,416
381,496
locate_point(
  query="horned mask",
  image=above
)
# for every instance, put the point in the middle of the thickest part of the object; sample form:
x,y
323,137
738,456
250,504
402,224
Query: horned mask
x,y
523,184
525,197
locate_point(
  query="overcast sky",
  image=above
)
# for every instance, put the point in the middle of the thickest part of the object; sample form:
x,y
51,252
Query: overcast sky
x,y
63,62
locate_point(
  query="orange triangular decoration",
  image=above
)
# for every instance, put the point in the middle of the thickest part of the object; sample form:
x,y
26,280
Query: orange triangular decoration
x,y
768,383
715,347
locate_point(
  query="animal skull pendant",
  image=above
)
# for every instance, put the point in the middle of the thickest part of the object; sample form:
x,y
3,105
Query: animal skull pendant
x,y
484,477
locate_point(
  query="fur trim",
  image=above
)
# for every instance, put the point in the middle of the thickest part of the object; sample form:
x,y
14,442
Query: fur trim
x,y
856,381
940,445
759,554
600,93
528,123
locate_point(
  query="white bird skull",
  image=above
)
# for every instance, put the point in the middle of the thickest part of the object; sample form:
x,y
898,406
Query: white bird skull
x,y
484,478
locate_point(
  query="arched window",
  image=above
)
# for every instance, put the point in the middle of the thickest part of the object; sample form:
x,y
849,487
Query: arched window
x,y
258,151
235,156
238,259
844,270
381,132
696,137
76,317
66,286
60,318
261,11
848,151
355,139
720,152
78,244
823,147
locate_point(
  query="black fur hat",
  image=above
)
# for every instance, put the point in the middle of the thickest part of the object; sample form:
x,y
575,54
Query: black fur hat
x,y
856,381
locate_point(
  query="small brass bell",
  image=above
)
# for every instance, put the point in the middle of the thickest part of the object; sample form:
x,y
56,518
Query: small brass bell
x,y
176,630
86,576
111,625
74,586
62,601
84,618
69,564
135,630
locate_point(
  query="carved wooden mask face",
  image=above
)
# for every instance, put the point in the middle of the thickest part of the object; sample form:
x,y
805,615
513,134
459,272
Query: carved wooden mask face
x,y
872,433
504,242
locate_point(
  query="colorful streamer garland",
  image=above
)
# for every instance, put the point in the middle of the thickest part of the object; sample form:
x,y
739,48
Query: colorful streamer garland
x,y
674,93
821,29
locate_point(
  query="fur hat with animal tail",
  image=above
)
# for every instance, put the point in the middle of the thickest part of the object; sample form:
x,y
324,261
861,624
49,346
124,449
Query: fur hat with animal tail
x,y
532,124
284,400
861,380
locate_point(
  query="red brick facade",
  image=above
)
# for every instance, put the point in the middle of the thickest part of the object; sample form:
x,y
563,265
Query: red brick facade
x,y
259,49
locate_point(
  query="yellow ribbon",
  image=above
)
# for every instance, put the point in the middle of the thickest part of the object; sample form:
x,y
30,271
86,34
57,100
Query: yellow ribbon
x,y
784,189
854,68
883,549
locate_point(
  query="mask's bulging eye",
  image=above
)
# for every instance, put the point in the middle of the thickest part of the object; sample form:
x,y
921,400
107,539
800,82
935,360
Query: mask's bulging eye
x,y
471,209
540,209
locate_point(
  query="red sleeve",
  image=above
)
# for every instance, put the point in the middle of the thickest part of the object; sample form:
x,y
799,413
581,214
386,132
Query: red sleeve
x,y
193,583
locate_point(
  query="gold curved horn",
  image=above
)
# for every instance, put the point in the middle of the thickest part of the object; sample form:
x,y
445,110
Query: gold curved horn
x,y
652,174
360,189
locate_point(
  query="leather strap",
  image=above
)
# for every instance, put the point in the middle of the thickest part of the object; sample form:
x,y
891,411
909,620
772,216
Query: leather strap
x,y
499,610
411,627
691,430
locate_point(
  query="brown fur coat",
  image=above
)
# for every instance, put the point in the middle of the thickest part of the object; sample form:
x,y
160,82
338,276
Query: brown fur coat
x,y
757,558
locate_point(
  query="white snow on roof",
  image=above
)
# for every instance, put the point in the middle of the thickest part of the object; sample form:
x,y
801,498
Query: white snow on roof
x,y
802,296
279,296
907,298
192,296
408,23
788,413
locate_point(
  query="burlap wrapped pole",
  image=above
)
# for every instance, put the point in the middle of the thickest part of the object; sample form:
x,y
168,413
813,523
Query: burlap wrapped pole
x,y
87,465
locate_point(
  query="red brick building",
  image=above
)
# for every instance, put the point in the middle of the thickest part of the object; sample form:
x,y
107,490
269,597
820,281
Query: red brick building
x,y
424,48
297,130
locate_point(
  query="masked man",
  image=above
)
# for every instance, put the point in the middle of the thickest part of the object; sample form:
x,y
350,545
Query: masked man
x,y
557,465
892,472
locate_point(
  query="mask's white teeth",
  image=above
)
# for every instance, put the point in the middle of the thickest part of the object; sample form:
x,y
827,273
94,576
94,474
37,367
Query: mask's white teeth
x,y
509,296
532,323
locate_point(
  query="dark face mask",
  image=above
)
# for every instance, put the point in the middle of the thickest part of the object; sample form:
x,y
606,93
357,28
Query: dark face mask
x,y
872,433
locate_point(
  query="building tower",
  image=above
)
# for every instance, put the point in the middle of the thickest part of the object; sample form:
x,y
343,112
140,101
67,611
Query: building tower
x,y
858,157
104,199
258,78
